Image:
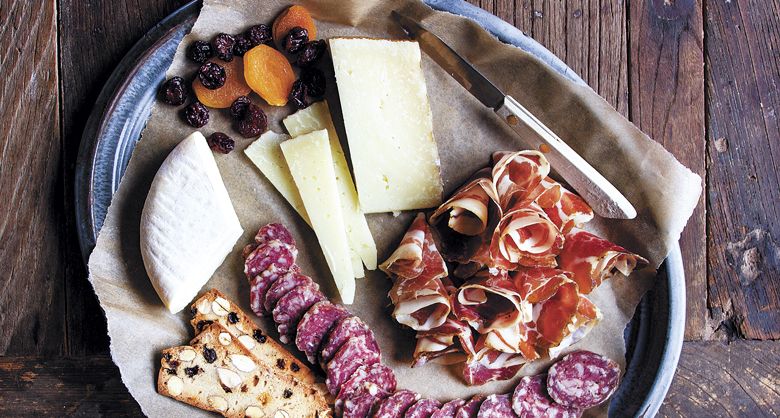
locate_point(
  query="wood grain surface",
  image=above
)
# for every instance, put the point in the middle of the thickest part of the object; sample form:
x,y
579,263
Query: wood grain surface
x,y
699,76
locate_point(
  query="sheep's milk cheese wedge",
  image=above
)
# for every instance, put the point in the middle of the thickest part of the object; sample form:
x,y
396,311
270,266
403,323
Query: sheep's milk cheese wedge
x,y
388,122
316,117
188,225
311,165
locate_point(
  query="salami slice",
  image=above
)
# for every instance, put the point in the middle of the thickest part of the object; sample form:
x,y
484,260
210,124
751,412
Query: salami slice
x,y
496,406
356,352
315,325
530,400
344,329
583,379
274,231
290,309
448,409
470,409
270,253
259,285
367,386
423,408
396,405
280,287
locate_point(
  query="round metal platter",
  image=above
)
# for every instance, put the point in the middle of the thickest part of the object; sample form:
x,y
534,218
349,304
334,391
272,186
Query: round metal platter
x,y
653,337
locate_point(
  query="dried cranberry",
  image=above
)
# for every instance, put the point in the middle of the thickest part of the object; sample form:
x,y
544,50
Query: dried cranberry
x,y
212,75
242,45
311,52
174,91
232,317
238,108
294,40
259,34
171,371
192,371
280,363
258,335
298,95
314,79
209,354
220,142
203,324
287,394
295,367
223,45
200,51
253,123
196,114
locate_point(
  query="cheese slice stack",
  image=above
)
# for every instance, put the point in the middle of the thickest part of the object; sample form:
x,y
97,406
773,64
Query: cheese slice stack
x,y
188,225
388,123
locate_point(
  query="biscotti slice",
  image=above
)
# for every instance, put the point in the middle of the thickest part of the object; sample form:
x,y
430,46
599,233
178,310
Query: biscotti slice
x,y
218,374
213,306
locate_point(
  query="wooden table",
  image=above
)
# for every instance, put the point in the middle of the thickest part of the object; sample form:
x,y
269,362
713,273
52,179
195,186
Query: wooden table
x,y
701,77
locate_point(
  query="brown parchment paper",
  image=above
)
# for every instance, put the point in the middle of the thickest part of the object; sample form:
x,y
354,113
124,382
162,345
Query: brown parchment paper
x,y
663,191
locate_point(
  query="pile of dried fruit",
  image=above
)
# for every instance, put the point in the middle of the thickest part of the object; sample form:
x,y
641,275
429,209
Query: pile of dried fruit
x,y
231,67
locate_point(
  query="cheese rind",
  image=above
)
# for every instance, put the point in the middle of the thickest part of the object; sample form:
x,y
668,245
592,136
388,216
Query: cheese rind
x,y
311,165
316,117
266,154
388,123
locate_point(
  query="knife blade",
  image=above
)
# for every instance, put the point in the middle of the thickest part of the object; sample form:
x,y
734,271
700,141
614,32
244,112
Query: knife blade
x,y
605,199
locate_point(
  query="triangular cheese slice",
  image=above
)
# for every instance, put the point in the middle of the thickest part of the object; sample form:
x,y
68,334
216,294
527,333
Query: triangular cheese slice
x,y
188,225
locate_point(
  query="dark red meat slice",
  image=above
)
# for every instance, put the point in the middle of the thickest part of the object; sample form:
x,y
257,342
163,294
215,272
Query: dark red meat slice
x,y
280,287
315,325
274,232
423,408
357,351
396,405
530,400
449,409
367,386
583,379
259,285
496,406
290,309
272,252
470,408
344,329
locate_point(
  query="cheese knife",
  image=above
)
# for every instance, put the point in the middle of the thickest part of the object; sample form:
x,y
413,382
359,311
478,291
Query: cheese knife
x,y
606,200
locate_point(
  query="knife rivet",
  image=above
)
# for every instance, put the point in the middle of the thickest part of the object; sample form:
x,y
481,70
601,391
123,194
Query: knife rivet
x,y
544,148
512,120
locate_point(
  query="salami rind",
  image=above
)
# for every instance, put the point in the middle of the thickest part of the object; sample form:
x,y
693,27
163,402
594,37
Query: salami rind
x,y
583,379
367,386
270,253
423,408
351,326
280,287
290,309
496,406
530,400
315,325
259,285
449,409
395,405
356,352
470,409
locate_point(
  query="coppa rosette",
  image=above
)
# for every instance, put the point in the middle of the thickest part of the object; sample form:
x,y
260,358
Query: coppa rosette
x,y
490,301
449,343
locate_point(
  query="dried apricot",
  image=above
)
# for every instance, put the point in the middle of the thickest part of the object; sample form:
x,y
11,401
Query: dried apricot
x,y
269,74
291,17
234,86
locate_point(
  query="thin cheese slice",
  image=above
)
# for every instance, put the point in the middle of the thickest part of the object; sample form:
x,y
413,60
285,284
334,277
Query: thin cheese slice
x,y
316,117
311,166
266,154
388,123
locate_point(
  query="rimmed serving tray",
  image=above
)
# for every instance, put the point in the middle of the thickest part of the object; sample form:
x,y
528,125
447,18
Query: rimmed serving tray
x,y
653,337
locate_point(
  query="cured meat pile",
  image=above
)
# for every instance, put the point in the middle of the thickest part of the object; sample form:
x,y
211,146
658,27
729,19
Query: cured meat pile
x,y
520,271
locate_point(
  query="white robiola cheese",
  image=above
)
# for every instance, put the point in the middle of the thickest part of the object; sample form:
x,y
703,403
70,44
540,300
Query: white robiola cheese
x,y
316,117
311,166
388,122
188,224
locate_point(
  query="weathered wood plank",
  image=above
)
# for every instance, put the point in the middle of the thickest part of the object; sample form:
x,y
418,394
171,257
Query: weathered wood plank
x,y
31,262
741,379
743,39
88,387
107,30
666,76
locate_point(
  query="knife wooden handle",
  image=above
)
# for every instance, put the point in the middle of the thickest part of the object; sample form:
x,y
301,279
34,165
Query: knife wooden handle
x,y
601,195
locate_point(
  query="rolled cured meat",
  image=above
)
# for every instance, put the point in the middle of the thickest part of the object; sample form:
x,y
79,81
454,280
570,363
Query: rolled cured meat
x,y
490,300
516,176
592,260
525,237
450,342
587,316
489,364
515,339
420,293
564,208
